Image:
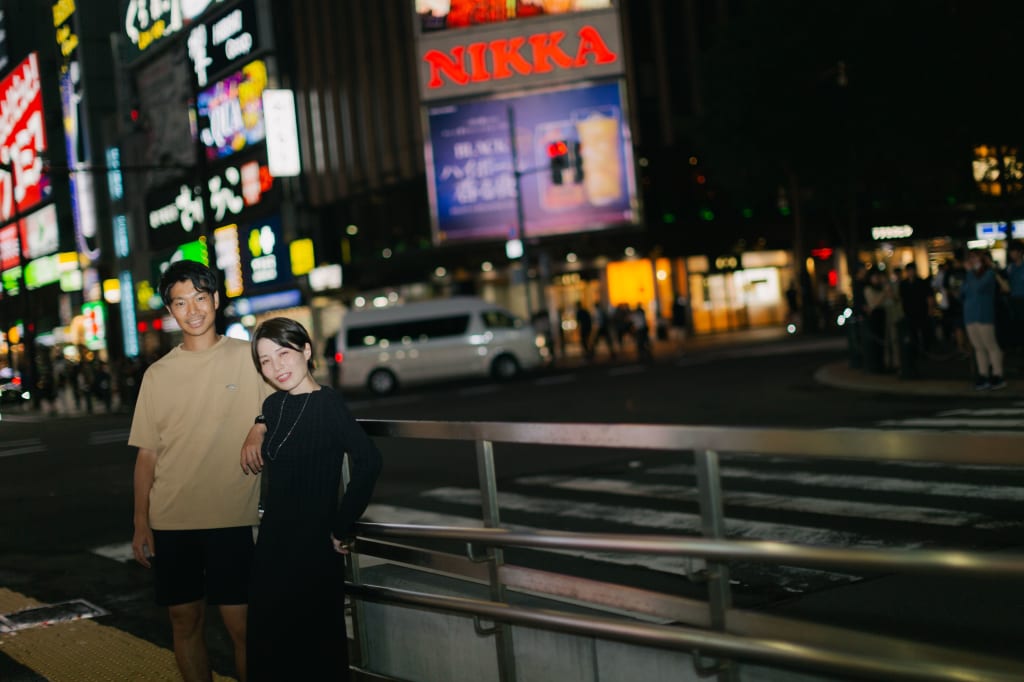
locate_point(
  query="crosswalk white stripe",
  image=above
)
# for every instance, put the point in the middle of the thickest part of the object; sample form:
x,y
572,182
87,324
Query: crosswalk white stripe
x,y
790,578
26,446
383,513
811,505
859,482
677,522
104,437
950,422
22,441
121,551
984,412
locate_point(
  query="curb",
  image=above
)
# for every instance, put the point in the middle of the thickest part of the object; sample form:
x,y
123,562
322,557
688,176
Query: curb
x,y
840,375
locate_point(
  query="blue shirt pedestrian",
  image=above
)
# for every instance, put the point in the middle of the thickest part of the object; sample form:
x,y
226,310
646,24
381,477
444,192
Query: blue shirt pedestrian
x,y
979,296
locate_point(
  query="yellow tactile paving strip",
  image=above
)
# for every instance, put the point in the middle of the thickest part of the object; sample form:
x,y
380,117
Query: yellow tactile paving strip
x,y
85,650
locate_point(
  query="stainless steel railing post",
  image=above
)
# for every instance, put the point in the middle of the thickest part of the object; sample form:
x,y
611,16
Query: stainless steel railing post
x,y
496,557
353,576
712,514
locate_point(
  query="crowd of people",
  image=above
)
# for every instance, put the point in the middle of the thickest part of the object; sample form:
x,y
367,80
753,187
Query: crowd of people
x,y
87,386
621,329
969,307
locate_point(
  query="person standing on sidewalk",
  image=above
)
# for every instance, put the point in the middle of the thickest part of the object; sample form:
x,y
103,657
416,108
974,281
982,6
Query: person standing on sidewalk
x,y
297,602
918,300
585,327
194,510
604,328
1015,275
979,297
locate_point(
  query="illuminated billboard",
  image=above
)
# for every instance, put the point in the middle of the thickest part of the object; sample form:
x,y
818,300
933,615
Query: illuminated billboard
x,y
39,233
22,140
231,111
575,165
9,249
147,22
216,44
438,15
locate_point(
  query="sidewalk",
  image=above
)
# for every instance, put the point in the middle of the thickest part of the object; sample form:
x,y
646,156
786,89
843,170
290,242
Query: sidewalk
x,y
942,373
947,374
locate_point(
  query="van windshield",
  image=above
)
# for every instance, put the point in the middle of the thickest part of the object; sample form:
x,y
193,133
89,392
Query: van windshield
x,y
406,331
499,319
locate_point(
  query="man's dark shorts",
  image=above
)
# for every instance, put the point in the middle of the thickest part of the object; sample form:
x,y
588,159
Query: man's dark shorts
x,y
215,564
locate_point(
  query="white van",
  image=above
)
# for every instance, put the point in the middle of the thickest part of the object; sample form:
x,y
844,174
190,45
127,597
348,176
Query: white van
x,y
382,348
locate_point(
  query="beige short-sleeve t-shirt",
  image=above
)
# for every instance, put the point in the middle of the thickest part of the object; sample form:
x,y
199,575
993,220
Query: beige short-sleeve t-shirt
x,y
195,409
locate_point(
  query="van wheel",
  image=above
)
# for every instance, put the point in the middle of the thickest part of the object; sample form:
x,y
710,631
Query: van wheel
x,y
382,382
505,367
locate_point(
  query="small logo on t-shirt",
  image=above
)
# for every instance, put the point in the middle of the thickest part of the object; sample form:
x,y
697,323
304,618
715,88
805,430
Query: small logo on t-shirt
x,y
231,387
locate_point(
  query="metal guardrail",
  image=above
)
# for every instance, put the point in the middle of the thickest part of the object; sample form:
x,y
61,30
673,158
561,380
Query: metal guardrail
x,y
704,628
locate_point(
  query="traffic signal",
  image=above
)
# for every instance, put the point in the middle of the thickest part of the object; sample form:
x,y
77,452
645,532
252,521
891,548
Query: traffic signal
x,y
564,155
558,157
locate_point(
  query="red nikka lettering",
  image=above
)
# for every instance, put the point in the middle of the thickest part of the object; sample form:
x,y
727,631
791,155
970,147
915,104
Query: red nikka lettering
x,y
506,57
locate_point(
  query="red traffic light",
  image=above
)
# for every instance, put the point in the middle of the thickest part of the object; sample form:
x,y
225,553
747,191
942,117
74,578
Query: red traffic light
x,y
558,148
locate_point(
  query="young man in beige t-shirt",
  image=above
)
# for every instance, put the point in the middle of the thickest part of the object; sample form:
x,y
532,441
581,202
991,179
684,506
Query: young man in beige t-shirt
x,y
194,508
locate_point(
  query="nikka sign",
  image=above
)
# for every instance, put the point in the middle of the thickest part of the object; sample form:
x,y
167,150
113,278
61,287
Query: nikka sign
x,y
513,55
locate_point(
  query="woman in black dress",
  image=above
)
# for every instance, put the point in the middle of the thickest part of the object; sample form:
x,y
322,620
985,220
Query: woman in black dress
x,y
296,621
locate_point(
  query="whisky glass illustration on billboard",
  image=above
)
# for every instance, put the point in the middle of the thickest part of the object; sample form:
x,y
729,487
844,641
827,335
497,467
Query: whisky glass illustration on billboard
x,y
599,131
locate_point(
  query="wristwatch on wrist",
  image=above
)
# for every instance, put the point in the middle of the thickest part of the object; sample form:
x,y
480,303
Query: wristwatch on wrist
x,y
260,419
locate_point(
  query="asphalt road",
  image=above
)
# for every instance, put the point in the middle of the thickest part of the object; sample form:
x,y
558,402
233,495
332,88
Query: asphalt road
x,y
65,483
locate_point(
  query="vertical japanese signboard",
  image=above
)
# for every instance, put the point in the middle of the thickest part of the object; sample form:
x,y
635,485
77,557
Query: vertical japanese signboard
x,y
22,140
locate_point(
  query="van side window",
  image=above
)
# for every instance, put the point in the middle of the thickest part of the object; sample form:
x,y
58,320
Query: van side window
x,y
499,319
406,332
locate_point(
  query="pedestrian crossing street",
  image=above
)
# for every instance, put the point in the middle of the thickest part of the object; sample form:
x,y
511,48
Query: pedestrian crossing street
x,y
834,504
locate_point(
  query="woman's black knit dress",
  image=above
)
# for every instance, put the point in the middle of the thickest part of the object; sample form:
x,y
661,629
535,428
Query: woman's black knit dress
x,y
296,623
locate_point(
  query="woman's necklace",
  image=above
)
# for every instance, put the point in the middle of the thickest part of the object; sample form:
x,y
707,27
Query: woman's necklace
x,y
273,454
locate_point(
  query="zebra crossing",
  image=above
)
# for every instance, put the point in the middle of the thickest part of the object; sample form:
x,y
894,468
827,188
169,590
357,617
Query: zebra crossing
x,y
975,419
840,504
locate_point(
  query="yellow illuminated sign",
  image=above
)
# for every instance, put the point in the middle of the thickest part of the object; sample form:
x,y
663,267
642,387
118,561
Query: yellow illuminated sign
x,y
303,261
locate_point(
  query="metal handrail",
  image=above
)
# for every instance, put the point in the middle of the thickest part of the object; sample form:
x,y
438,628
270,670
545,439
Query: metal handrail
x,y
732,633
948,447
680,638
911,560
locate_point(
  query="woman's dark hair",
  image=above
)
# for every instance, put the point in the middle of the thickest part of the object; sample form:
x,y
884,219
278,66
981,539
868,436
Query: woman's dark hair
x,y
202,278
286,333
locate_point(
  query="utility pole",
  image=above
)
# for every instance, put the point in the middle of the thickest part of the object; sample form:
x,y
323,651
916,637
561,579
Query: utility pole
x,y
520,220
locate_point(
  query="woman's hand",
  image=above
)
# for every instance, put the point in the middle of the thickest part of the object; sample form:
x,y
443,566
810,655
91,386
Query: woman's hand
x,y
343,546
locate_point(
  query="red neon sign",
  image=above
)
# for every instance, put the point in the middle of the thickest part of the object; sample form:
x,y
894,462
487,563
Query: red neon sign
x,y
22,139
506,57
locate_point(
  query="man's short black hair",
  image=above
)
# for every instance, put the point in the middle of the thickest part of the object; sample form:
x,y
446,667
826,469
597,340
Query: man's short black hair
x,y
202,278
1015,245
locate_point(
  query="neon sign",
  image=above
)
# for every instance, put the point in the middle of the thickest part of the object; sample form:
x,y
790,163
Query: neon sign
x,y
503,58
232,111
564,49
146,22
22,140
